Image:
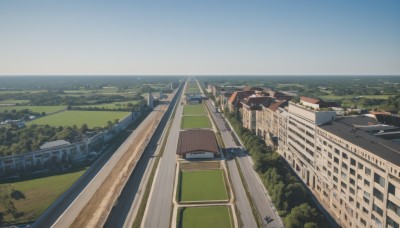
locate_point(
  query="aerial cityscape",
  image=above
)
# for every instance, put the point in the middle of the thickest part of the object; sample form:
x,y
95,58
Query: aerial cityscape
x,y
208,114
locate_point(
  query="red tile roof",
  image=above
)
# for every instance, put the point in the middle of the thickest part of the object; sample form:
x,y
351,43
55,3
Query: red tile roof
x,y
310,100
197,140
274,106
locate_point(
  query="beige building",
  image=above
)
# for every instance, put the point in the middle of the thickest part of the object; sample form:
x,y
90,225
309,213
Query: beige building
x,y
345,162
251,106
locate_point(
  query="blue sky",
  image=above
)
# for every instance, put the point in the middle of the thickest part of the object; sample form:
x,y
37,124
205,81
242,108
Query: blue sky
x,y
266,37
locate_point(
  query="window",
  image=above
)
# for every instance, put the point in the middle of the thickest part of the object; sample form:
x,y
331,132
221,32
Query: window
x,y
344,175
352,172
335,169
352,162
335,179
336,160
393,207
366,182
377,209
363,221
343,185
368,171
329,154
380,180
360,166
344,155
378,194
377,221
359,177
365,210
352,182
391,223
352,191
344,166
336,151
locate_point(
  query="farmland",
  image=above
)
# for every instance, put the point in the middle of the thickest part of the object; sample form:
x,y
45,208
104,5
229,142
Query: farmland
x,y
195,122
28,199
198,217
70,118
203,185
113,105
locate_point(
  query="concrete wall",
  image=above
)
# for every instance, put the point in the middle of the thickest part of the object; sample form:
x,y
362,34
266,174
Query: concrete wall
x,y
197,155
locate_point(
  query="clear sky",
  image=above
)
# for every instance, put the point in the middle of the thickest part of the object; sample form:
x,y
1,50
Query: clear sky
x,y
271,37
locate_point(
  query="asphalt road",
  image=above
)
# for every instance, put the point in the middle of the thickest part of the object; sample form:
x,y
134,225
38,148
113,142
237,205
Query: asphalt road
x,y
159,206
256,189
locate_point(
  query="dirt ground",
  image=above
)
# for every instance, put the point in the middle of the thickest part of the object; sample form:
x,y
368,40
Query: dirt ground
x,y
200,165
96,211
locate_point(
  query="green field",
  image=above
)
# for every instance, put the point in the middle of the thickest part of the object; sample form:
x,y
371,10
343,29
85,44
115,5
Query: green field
x,y
199,217
70,118
28,199
195,122
38,109
203,185
197,109
114,105
192,90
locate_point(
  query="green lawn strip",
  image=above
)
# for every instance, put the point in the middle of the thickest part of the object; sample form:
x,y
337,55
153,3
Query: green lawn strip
x,y
113,105
195,122
38,109
24,201
195,109
335,97
70,118
203,185
199,217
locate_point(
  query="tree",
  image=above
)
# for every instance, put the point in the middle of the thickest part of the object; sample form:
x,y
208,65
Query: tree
x,y
301,215
84,128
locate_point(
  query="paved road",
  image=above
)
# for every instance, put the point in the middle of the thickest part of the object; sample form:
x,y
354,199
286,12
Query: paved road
x,y
256,189
159,207
129,197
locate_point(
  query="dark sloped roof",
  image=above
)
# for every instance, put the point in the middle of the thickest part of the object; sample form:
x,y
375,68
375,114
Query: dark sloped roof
x,y
274,106
197,140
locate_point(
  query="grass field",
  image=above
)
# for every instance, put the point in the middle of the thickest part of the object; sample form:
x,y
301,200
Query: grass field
x,y
203,185
30,198
38,109
192,90
197,109
195,122
70,118
199,217
114,105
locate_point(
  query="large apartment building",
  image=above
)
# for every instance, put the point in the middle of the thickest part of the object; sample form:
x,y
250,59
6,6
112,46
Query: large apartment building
x,y
346,162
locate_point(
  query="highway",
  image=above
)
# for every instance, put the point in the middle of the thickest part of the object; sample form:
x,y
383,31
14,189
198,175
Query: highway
x,y
256,189
159,206
129,198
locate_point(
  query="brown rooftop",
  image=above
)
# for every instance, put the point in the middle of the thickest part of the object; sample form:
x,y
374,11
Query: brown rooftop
x,y
197,140
310,100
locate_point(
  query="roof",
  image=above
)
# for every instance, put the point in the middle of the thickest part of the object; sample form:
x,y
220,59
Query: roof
x,y
274,106
197,140
310,100
256,102
52,144
358,120
240,95
383,148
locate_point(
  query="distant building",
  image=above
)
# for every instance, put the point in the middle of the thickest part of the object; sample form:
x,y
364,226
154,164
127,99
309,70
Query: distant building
x,y
197,144
53,144
150,101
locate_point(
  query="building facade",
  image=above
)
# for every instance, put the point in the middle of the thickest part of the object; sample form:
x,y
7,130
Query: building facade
x,y
353,171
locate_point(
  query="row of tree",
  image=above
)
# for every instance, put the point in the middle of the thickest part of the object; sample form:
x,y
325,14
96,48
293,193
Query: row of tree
x,y
287,193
